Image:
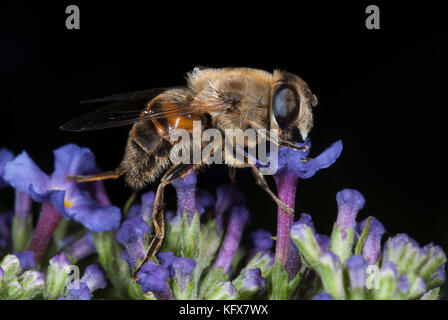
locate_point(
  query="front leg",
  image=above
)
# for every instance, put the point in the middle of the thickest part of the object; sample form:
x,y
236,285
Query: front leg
x,y
158,216
261,181
99,176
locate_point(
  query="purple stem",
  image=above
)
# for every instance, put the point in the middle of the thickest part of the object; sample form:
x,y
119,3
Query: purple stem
x,y
49,219
286,192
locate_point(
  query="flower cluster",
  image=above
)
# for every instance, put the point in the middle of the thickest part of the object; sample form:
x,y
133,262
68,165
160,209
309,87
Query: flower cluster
x,y
352,264
205,254
17,281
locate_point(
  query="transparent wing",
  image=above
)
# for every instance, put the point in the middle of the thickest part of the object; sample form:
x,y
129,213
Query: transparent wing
x,y
128,108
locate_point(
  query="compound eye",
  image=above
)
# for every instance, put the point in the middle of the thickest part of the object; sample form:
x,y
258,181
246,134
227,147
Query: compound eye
x,y
286,107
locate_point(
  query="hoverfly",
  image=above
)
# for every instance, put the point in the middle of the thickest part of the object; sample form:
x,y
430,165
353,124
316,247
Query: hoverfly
x,y
226,98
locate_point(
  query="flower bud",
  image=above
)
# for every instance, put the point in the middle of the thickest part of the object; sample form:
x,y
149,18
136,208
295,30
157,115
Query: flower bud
x,y
94,277
223,291
304,238
249,283
372,244
11,267
131,235
153,277
342,238
330,272
56,277
181,272
32,284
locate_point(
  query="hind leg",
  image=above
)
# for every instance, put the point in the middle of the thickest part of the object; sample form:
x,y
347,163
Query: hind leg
x,y
158,217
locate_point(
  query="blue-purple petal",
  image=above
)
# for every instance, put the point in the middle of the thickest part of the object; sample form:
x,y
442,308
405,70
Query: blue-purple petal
x,y
153,277
323,296
24,175
5,157
93,215
166,258
261,240
204,201
26,259
81,293
71,160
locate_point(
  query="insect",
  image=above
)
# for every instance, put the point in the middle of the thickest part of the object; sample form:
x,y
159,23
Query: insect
x,y
226,98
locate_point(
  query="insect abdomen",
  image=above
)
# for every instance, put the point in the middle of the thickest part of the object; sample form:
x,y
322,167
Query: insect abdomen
x,y
147,155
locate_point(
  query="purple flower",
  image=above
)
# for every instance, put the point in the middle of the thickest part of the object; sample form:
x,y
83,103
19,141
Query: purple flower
x,y
145,208
186,194
131,235
396,245
331,260
291,167
372,245
134,211
323,240
204,201
252,280
228,196
349,203
306,219
5,157
403,284
357,266
435,259
71,200
323,296
83,247
261,242
389,268
153,277
60,261
292,264
438,277
26,259
290,160
147,205
303,236
182,269
81,293
94,278
239,216
404,252
166,258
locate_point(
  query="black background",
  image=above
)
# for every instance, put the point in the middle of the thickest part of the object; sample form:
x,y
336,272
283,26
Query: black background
x,y
381,91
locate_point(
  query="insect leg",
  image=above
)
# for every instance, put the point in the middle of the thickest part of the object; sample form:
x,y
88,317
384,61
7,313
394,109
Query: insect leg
x,y
306,160
232,174
278,142
100,176
158,217
261,181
